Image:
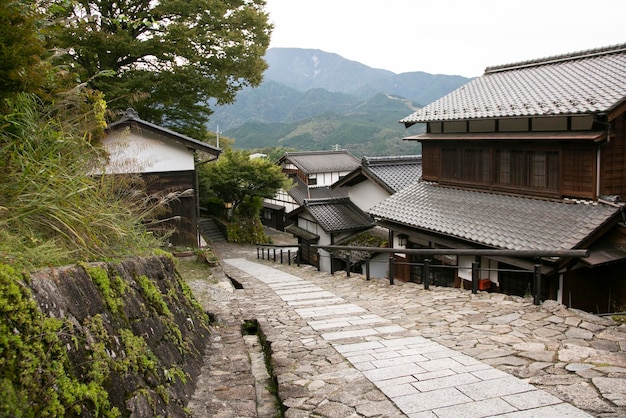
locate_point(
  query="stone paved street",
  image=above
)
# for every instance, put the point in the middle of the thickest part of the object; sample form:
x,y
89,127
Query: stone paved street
x,y
346,347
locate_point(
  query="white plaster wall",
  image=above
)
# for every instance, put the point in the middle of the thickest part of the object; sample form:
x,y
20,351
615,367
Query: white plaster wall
x,y
146,153
489,266
493,273
465,267
379,266
366,195
305,221
283,199
327,179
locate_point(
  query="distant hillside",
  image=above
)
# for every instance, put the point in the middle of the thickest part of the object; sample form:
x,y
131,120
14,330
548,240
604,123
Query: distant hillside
x,y
313,100
305,69
273,102
369,128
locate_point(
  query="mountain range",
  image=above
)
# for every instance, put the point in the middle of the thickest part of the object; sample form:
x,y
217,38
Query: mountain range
x,y
315,100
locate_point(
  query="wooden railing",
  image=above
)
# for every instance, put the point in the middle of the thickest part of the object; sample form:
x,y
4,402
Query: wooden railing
x,y
268,252
426,265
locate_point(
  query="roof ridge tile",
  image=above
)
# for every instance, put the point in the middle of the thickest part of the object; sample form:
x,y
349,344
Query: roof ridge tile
x,y
557,58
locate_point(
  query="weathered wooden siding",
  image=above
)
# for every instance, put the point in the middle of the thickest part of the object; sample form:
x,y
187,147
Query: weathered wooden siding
x,y
431,161
578,171
184,209
613,157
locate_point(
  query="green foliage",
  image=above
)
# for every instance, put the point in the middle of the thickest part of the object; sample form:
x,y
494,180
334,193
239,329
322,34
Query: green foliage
x,y
170,58
193,270
239,180
21,66
135,355
273,153
206,255
35,374
138,356
247,230
157,303
52,210
176,373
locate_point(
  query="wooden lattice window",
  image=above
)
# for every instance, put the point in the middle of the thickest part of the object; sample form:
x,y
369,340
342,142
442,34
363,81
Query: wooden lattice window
x,y
467,164
529,169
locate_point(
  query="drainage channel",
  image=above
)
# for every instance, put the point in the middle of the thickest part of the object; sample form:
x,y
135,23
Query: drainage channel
x,y
259,351
234,282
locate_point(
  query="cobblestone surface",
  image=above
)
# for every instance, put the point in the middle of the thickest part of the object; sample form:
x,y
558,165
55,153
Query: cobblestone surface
x,y
332,356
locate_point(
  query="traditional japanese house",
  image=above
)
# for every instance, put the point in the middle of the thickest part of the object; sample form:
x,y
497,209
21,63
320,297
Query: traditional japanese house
x,y
166,161
373,181
529,156
326,222
312,172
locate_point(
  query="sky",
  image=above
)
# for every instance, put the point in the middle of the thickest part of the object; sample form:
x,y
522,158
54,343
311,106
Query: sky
x,y
453,37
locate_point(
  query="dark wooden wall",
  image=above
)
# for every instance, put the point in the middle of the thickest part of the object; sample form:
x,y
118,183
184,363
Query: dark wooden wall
x,y
613,172
186,227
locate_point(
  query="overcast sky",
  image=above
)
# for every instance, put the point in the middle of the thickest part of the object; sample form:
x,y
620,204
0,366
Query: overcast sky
x,y
454,37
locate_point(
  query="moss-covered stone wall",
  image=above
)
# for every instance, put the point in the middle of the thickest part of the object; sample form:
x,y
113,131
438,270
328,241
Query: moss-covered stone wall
x,y
103,339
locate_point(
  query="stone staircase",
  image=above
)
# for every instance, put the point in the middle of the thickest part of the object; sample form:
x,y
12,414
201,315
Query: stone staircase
x,y
210,231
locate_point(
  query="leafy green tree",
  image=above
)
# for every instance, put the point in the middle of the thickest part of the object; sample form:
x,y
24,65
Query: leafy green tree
x,y
169,58
21,48
236,179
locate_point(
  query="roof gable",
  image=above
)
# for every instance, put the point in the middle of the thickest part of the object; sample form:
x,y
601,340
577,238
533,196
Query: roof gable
x,y
301,191
321,161
586,82
391,173
496,220
131,119
395,172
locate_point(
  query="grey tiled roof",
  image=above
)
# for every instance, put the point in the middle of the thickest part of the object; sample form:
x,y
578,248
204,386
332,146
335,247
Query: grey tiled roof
x,y
495,220
396,172
300,192
585,82
391,173
335,215
322,161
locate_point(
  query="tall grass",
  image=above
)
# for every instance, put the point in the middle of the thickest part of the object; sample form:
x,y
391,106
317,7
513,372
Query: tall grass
x,y
52,211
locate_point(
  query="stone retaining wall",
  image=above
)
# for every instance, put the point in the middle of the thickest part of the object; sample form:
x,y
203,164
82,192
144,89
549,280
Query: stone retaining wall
x,y
132,327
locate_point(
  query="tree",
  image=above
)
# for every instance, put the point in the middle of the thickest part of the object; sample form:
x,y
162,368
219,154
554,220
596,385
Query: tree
x,y
170,58
237,180
21,48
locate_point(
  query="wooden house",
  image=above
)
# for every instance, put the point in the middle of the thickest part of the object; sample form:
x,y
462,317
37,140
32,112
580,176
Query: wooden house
x,y
326,222
166,161
376,179
529,156
312,172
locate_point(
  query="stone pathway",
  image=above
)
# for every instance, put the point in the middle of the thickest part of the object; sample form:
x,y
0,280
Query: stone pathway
x,y
421,377
344,346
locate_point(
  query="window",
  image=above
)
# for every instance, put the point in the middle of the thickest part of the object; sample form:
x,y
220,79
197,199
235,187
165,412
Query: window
x,y
496,166
312,180
527,169
466,164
